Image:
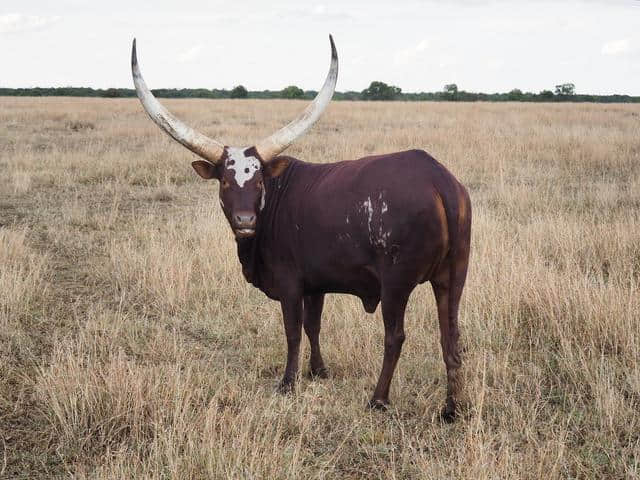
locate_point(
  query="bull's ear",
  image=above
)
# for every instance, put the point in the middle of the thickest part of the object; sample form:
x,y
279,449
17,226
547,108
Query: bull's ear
x,y
205,169
275,167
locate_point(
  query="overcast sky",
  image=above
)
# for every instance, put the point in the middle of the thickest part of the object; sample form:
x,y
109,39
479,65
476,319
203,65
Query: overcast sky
x,y
481,45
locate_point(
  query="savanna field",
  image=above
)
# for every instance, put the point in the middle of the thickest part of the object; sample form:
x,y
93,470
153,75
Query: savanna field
x,y
132,347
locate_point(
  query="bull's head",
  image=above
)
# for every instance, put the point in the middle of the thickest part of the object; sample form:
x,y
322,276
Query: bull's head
x,y
241,171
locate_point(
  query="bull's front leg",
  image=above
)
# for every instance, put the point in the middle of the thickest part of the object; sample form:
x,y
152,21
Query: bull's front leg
x,y
292,317
312,315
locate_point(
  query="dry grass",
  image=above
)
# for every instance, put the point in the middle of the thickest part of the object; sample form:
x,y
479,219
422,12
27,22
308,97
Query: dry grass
x,y
131,347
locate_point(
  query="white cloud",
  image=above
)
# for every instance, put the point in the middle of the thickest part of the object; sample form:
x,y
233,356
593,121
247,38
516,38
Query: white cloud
x,y
407,55
616,47
192,54
17,22
320,9
319,12
495,63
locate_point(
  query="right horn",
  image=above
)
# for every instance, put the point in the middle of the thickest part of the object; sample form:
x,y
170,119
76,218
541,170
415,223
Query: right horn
x,y
276,143
199,144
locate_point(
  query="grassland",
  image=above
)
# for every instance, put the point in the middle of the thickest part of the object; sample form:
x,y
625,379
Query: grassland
x,y
131,347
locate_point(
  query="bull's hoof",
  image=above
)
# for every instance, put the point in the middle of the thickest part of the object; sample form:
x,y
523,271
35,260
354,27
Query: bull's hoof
x,y
377,404
286,387
321,372
448,415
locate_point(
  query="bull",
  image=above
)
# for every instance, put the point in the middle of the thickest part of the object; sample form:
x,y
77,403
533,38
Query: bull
x,y
374,228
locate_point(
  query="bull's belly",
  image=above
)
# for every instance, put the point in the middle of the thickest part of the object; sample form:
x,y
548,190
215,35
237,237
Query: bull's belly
x,y
359,287
362,282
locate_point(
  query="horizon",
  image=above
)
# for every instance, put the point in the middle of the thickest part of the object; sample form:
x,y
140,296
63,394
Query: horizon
x,y
306,91
481,45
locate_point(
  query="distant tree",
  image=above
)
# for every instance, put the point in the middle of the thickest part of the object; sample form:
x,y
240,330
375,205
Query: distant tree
x,y
239,92
451,91
515,95
112,93
566,89
292,92
546,95
380,91
349,95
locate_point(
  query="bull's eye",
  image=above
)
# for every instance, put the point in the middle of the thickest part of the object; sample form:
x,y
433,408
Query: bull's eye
x,y
225,184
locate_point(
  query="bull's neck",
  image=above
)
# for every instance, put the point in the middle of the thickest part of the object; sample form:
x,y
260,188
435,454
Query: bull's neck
x,y
252,251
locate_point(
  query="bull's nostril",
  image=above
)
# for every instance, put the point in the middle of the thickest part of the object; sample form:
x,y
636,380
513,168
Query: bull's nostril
x,y
245,220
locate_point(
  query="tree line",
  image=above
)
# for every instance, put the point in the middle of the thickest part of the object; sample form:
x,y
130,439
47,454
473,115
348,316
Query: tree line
x,y
376,91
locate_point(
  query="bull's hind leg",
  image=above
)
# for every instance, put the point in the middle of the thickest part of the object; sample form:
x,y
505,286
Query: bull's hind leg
x,y
312,314
448,290
394,302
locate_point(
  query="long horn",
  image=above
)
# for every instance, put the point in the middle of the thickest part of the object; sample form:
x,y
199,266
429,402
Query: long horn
x,y
276,143
199,144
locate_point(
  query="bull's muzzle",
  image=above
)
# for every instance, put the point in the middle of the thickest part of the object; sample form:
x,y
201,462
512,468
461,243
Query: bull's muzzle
x,y
244,224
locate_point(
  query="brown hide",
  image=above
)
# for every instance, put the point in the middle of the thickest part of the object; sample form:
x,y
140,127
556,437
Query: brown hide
x,y
375,228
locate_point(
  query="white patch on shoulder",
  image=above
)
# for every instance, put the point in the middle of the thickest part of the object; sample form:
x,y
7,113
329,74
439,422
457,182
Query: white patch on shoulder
x,y
368,208
244,167
374,210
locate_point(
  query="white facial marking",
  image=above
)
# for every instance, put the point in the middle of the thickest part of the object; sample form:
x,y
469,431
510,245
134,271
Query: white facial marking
x,y
244,167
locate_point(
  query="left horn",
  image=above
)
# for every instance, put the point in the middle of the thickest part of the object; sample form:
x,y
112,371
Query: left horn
x,y
276,143
199,144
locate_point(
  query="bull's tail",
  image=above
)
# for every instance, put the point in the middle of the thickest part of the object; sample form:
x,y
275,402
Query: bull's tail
x,y
458,211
